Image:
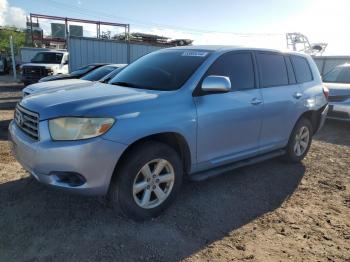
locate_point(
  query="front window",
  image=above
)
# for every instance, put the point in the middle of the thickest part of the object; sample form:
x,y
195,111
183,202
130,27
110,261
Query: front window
x,y
47,58
338,75
98,73
163,70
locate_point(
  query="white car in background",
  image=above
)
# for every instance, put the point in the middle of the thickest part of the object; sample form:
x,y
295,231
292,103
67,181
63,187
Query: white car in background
x,y
338,83
102,74
44,64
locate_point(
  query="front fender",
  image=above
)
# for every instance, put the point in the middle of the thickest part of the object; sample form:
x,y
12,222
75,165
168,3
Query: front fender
x,y
179,118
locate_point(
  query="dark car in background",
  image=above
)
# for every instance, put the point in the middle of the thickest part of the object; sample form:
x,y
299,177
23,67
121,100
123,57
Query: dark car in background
x,y
102,74
112,74
80,72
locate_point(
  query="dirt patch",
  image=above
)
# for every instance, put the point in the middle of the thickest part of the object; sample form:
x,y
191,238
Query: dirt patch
x,y
271,211
10,94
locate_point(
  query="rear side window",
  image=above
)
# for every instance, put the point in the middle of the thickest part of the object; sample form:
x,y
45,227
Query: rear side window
x,y
302,69
273,70
238,67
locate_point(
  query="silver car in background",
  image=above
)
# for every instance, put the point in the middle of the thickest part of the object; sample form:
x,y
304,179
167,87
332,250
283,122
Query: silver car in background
x,y
338,83
102,74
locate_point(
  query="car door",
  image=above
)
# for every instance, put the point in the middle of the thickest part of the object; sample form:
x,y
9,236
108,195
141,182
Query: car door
x,y
282,99
229,123
64,67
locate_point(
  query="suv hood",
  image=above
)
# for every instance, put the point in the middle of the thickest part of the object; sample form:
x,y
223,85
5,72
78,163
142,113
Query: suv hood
x,y
53,85
95,99
337,89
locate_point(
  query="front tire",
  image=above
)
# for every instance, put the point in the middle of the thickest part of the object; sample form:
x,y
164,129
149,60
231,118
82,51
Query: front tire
x,y
299,141
147,181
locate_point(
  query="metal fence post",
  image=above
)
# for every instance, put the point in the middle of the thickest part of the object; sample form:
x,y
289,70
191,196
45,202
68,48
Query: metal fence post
x,y
13,59
128,46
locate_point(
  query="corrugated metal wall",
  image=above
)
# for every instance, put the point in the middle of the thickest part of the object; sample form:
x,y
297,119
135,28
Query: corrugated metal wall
x,y
83,51
327,63
138,50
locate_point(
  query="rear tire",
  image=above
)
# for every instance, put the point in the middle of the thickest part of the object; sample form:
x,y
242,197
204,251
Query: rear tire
x,y
299,141
147,181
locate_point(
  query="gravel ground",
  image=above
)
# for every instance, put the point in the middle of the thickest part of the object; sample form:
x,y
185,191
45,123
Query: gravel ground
x,y
271,211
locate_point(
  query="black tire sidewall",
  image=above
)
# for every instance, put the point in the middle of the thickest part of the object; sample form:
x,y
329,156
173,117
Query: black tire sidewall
x,y
121,188
291,156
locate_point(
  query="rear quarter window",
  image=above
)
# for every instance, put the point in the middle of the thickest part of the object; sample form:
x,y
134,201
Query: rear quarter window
x,y
302,69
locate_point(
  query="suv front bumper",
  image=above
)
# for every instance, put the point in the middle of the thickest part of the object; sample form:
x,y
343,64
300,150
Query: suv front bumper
x,y
94,159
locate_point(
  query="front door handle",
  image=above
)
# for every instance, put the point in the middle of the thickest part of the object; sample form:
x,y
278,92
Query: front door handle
x,y
256,101
297,95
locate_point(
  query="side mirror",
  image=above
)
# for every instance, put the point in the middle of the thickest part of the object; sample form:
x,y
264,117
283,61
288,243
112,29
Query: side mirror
x,y
216,84
66,62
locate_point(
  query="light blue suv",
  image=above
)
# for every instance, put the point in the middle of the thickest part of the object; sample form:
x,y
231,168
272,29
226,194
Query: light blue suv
x,y
191,112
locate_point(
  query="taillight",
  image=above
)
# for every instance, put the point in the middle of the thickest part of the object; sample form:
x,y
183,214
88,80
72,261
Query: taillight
x,y
326,92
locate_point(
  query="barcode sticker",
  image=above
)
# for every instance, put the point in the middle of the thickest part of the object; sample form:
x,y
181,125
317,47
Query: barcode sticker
x,y
194,53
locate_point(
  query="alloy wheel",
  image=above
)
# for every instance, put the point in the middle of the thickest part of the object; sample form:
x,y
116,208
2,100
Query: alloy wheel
x,y
301,141
153,183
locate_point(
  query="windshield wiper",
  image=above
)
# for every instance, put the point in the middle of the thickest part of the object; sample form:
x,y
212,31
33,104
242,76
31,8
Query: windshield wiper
x,y
126,84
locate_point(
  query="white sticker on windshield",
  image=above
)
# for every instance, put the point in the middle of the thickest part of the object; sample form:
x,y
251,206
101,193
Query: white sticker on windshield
x,y
194,53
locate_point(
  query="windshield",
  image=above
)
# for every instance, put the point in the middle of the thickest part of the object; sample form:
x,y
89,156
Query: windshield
x,y
82,70
163,70
98,73
338,75
47,58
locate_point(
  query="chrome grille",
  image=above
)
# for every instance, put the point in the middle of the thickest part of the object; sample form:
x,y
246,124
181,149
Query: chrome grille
x,y
34,71
28,121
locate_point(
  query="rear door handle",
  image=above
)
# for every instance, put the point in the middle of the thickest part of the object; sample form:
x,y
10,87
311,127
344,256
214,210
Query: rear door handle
x,y
256,101
297,95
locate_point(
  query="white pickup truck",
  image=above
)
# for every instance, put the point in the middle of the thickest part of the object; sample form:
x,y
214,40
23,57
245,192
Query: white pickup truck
x,y
43,64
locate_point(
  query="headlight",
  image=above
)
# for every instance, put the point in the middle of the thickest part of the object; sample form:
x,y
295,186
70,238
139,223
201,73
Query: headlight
x,y
49,71
75,128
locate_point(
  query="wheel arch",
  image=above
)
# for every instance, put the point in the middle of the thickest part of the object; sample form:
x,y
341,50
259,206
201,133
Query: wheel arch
x,y
314,116
172,139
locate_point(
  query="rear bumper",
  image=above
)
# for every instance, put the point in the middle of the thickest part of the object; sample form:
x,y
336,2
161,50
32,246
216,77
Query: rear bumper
x,y
93,159
322,118
339,111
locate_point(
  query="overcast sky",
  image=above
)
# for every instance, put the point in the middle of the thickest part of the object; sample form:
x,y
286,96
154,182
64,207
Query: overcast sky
x,y
254,22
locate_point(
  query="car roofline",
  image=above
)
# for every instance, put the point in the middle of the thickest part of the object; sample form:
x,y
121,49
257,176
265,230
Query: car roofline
x,y
228,48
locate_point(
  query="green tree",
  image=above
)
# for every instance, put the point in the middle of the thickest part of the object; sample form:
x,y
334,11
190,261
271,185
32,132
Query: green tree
x,y
18,36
